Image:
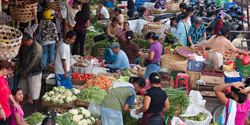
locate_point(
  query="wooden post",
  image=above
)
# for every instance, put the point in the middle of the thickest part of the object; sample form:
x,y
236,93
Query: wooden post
x,y
1,12
248,15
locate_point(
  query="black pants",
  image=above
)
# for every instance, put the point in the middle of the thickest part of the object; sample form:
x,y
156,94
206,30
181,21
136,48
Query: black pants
x,y
131,8
99,18
6,122
80,39
100,37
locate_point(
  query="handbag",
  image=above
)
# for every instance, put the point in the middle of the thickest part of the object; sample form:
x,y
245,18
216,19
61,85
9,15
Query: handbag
x,y
39,36
146,62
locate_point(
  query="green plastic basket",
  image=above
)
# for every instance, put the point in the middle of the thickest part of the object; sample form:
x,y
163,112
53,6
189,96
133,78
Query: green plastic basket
x,y
221,2
244,69
166,119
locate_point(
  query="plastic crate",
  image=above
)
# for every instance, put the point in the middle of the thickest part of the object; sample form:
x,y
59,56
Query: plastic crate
x,y
227,5
108,4
220,2
233,79
174,74
243,69
82,69
195,65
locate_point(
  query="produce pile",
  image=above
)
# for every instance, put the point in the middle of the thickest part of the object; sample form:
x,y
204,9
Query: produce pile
x,y
61,95
92,92
89,58
102,44
128,120
112,76
99,27
80,76
172,46
198,117
83,63
126,72
101,81
143,44
78,116
184,52
35,118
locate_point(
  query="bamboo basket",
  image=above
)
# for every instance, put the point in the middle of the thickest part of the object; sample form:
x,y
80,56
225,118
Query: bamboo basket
x,y
98,52
80,103
10,41
174,62
58,108
156,27
172,6
184,47
55,5
21,10
167,51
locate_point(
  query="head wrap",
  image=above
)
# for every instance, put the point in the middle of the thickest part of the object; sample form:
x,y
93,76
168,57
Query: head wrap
x,y
115,45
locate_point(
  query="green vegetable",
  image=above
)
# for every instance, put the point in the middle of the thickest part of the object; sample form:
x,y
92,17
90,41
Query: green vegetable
x,y
171,90
143,44
65,121
35,118
198,117
92,92
99,27
67,116
170,36
128,120
126,72
102,44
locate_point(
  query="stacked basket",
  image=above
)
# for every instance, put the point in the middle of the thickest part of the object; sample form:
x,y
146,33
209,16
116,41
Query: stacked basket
x,y
174,62
21,10
156,27
55,5
10,41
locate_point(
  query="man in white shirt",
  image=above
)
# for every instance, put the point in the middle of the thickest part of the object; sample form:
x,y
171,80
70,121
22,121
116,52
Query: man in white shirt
x,y
103,14
62,61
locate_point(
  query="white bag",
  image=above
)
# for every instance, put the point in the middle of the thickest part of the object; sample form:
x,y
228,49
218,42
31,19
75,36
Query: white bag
x,y
132,24
204,122
134,115
177,121
196,99
139,26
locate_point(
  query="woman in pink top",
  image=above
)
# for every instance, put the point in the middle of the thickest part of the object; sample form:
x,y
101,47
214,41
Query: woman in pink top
x,y
122,32
239,94
17,116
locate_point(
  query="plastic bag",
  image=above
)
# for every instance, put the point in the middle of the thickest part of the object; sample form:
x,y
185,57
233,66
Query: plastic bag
x,y
204,122
94,108
245,59
134,115
177,121
196,99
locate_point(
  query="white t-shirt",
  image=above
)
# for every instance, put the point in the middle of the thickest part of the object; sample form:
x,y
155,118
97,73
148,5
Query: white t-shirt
x,y
188,24
170,28
63,52
70,19
104,12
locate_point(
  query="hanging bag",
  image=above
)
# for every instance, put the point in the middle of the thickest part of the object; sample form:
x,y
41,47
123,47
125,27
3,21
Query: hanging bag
x,y
39,36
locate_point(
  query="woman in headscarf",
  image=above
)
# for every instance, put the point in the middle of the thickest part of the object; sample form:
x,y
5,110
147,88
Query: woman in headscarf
x,y
82,19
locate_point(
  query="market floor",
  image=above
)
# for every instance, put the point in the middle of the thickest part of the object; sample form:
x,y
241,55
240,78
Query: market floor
x,y
211,103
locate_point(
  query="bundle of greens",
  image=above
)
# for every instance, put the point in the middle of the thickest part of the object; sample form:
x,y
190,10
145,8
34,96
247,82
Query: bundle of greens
x,y
128,120
92,92
198,117
35,118
102,44
99,27
143,44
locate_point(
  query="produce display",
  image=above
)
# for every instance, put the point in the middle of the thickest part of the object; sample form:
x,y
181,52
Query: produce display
x,y
89,58
92,92
172,46
126,72
128,120
112,76
171,91
198,117
99,27
184,52
80,76
171,37
232,74
143,44
83,63
79,116
61,95
101,81
102,44
35,118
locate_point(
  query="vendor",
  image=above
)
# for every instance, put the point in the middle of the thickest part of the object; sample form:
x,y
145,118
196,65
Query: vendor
x,y
155,103
130,48
155,51
121,60
181,32
122,32
120,97
109,56
110,32
120,17
170,29
196,31
103,14
219,43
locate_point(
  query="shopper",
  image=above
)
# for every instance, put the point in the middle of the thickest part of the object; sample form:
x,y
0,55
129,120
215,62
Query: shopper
x,y
219,44
183,7
109,56
5,94
190,11
82,22
110,32
49,36
121,34
130,48
17,116
62,62
170,29
120,97
155,51
196,32
120,17
103,14
121,60
155,102
45,6
30,68
181,32
240,102
71,12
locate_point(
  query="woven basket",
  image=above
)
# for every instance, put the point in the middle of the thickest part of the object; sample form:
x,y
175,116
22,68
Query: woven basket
x,y
184,47
156,27
167,51
21,10
87,52
98,52
55,5
229,56
58,108
172,6
80,103
10,42
174,62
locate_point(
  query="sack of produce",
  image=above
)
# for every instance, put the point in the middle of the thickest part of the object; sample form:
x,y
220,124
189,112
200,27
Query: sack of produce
x,y
204,117
237,41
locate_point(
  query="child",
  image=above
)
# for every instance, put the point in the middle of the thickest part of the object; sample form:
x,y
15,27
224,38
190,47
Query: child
x,y
17,116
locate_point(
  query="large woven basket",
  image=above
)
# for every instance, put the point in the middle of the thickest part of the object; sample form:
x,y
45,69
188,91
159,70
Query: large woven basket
x,y
156,27
98,52
168,51
80,103
174,62
55,5
21,10
10,41
58,108
172,6
184,47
